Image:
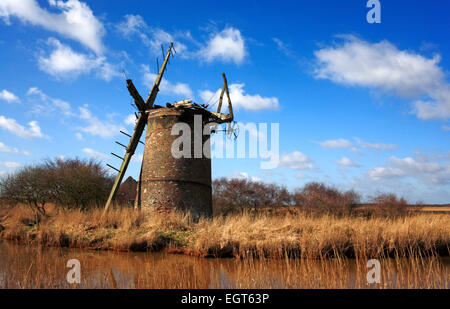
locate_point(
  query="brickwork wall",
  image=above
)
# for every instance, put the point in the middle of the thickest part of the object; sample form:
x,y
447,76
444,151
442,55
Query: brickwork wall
x,y
167,182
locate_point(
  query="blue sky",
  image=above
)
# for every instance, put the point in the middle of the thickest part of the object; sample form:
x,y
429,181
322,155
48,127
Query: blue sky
x,y
359,105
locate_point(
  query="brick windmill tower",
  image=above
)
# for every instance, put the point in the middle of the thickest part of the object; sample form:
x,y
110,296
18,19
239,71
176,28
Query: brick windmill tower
x,y
167,182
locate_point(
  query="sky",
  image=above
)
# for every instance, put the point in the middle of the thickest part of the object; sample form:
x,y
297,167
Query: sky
x,y
363,106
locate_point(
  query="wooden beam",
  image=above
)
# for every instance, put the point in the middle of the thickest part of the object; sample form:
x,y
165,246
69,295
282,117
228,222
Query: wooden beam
x,y
152,95
140,104
138,129
230,107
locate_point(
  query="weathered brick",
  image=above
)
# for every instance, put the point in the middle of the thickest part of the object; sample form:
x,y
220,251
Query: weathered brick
x,y
170,183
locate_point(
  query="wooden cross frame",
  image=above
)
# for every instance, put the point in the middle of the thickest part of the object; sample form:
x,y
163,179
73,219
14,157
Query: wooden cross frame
x,y
140,123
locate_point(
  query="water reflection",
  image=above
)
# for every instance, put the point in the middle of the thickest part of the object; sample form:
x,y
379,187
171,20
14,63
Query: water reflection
x,y
37,267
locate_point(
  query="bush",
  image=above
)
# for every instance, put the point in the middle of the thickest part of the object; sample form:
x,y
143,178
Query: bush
x,y
79,183
389,205
231,195
71,183
30,185
318,198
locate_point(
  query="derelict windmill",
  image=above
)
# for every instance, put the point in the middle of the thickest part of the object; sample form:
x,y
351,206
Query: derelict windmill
x,y
164,181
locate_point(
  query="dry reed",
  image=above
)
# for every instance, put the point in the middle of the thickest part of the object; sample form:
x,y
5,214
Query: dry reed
x,y
241,236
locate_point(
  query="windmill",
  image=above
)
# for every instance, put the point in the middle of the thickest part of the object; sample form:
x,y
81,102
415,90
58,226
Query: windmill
x,y
165,181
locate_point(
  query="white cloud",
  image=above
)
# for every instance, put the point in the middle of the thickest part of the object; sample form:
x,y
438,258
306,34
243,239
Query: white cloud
x,y
245,176
9,96
445,128
132,24
283,47
166,86
50,104
63,62
227,45
5,148
98,127
336,143
10,164
347,162
130,120
137,158
421,168
240,99
151,37
95,154
378,146
79,136
384,67
296,160
75,20
378,173
33,130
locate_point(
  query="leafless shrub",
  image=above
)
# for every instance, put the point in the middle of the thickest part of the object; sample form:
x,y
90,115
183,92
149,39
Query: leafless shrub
x,y
238,195
389,205
318,198
78,183
74,183
29,185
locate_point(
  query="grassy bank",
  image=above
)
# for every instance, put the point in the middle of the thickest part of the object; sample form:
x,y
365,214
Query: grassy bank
x,y
293,235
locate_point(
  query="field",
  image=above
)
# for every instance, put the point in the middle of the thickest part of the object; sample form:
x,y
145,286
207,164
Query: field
x,y
242,236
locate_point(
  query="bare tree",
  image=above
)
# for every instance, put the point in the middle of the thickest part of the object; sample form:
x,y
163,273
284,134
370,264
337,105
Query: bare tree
x,y
318,198
71,183
29,185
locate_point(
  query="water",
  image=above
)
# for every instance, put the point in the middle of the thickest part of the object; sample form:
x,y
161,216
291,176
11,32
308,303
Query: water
x,y
39,267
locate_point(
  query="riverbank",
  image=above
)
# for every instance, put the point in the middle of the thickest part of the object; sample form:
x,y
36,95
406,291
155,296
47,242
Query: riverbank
x,y
290,235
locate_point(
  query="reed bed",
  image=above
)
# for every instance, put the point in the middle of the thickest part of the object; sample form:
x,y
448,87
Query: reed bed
x,y
241,236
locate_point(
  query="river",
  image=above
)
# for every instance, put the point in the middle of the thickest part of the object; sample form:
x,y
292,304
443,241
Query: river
x,y
41,267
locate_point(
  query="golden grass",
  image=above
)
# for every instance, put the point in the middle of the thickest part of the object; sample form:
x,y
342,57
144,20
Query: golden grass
x,y
435,209
243,235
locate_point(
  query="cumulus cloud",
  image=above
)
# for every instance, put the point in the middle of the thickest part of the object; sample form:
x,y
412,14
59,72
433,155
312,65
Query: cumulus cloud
x,y
346,144
10,164
245,176
48,104
240,99
5,148
97,127
347,162
95,154
336,143
384,67
179,89
135,25
421,168
75,19
63,62
227,46
9,97
377,146
33,130
130,120
296,160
